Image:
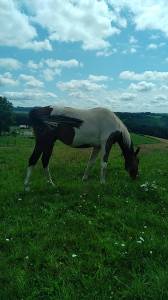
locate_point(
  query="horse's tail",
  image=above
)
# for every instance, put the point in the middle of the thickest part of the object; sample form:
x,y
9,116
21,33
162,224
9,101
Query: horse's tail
x,y
40,117
37,117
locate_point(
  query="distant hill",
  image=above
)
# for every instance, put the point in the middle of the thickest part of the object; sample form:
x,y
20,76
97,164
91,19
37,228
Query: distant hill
x,y
154,124
146,123
20,109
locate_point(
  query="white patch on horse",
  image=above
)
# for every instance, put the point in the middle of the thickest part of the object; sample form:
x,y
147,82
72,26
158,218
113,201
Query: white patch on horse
x,y
98,127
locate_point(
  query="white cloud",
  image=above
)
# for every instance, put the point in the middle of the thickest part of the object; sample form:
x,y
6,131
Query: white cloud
x,y
7,79
106,52
127,97
142,86
149,14
31,81
146,76
98,78
90,22
55,67
16,29
38,45
84,84
162,98
133,40
49,74
91,84
155,46
164,87
31,98
51,67
10,63
59,64
33,65
133,50
152,46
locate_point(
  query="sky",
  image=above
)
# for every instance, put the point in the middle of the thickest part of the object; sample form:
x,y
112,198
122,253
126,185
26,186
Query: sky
x,y
85,53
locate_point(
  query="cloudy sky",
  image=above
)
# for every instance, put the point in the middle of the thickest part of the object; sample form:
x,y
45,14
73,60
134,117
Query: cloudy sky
x,y
85,53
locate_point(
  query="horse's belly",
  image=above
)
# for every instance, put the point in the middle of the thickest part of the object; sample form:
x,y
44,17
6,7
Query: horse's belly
x,y
84,137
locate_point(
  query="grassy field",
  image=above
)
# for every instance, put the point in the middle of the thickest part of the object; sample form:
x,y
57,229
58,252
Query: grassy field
x,y
83,240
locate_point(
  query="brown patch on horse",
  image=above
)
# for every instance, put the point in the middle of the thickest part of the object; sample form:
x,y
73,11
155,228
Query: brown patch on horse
x,y
65,134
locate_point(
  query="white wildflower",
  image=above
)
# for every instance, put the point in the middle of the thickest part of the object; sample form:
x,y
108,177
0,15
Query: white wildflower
x,y
74,255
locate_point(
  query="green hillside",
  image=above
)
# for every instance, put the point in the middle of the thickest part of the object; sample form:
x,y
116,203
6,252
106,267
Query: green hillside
x,y
84,240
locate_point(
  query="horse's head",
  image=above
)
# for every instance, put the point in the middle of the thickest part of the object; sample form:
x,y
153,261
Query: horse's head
x,y
131,164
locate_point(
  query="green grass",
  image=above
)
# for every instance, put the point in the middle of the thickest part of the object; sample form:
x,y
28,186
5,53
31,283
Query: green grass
x,y
83,240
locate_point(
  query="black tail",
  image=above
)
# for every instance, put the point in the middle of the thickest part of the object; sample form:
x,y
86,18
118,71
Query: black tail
x,y
41,117
56,120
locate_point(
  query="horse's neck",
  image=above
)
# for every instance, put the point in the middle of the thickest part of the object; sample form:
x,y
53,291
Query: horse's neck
x,y
126,146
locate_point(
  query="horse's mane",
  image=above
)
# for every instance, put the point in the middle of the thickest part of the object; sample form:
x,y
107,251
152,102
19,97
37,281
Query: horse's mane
x,y
126,136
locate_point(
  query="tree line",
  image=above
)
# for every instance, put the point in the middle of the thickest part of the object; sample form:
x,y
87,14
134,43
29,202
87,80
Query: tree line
x,y
142,123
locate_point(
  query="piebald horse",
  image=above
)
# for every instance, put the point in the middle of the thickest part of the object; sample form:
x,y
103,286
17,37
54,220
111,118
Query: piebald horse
x,y
98,128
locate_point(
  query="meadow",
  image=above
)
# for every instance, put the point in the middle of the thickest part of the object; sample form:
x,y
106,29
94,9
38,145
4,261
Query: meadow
x,y
83,240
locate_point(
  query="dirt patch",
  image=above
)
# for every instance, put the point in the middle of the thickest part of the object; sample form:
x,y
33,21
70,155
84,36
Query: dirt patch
x,y
158,139
163,145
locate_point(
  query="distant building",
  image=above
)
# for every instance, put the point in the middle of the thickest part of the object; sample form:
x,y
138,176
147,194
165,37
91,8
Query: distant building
x,y
23,126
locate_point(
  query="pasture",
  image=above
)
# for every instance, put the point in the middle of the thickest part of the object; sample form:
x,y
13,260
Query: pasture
x,y
83,240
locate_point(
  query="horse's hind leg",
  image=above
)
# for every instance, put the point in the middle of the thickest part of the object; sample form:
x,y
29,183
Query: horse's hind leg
x,y
32,161
91,161
45,161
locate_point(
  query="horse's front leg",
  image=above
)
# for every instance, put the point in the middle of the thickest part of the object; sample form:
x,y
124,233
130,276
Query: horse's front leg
x,y
48,175
92,159
105,151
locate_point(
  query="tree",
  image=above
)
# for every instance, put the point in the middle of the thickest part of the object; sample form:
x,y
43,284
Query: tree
x,y
21,118
6,114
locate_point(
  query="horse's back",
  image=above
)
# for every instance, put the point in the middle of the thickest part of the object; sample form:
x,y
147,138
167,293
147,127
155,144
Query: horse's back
x,y
97,123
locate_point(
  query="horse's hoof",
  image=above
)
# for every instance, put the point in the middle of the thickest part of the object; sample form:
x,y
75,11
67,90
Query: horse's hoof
x,y
84,178
51,183
27,189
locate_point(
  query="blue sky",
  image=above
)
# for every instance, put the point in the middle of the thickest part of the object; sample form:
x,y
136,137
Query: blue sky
x,y
85,53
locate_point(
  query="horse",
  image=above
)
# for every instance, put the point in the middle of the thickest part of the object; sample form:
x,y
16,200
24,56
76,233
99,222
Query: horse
x,y
99,128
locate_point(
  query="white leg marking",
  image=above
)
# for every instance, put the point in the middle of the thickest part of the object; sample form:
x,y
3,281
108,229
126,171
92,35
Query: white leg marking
x,y
91,161
48,175
27,179
103,172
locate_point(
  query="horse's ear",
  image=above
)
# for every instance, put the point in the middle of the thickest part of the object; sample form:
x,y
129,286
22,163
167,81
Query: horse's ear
x,y
137,151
